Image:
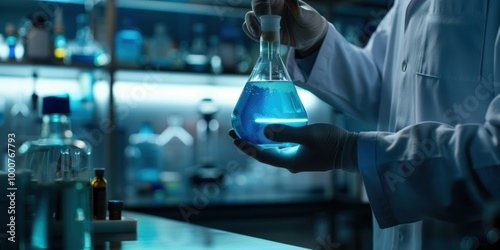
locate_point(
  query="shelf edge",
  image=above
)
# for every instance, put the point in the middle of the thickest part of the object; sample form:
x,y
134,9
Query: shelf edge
x,y
186,8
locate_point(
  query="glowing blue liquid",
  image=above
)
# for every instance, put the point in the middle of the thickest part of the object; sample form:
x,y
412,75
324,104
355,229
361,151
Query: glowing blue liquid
x,y
263,103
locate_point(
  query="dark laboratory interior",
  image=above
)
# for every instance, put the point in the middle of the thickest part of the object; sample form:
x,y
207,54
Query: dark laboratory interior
x,y
149,86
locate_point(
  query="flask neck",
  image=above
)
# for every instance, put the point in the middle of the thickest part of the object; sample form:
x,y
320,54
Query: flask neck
x,y
269,44
56,125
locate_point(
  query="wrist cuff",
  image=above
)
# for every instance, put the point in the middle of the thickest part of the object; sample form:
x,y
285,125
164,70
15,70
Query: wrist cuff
x,y
349,161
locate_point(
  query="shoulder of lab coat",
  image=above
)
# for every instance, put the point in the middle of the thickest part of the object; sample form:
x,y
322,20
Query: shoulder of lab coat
x,y
345,76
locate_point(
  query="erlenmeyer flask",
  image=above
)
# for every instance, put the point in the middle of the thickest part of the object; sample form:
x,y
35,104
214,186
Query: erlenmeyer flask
x,y
269,96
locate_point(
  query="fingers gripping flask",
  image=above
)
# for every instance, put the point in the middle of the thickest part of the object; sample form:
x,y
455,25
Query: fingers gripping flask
x,y
269,96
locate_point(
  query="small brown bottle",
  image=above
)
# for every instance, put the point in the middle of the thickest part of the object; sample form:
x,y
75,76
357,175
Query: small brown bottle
x,y
99,203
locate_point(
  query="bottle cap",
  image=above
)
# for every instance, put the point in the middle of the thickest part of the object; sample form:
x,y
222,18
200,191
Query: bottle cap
x,y
39,19
99,172
270,23
56,105
115,205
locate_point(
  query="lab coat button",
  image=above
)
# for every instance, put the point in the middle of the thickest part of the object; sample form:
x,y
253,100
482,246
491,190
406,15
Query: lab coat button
x,y
403,67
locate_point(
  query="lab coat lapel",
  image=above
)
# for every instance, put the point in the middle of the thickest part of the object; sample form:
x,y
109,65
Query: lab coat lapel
x,y
411,7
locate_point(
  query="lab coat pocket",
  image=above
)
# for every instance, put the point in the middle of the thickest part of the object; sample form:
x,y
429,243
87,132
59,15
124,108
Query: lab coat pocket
x,y
452,45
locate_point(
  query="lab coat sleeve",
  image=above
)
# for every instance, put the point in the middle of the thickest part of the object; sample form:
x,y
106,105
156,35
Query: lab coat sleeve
x,y
345,76
432,170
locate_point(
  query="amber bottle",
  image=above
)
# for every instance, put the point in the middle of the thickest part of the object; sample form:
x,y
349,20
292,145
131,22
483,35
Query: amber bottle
x,y
99,184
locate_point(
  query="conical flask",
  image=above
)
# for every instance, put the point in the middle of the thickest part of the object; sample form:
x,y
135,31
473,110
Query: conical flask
x,y
269,96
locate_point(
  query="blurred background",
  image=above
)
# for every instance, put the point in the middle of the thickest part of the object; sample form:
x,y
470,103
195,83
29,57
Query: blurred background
x,y
152,85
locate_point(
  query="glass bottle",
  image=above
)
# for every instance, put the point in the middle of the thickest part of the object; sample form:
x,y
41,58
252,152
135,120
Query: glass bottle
x,y
129,44
144,163
59,39
99,184
177,155
14,48
269,96
4,49
207,170
11,40
58,196
38,39
214,55
197,60
160,47
84,49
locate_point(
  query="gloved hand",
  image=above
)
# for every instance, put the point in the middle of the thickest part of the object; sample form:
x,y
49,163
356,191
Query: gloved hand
x,y
321,147
302,27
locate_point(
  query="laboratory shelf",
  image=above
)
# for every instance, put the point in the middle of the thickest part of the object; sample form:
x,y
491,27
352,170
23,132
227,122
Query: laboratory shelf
x,y
45,70
218,8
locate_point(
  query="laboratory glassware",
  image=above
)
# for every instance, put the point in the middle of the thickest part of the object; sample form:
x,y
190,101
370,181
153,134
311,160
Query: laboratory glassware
x,y
269,96
58,195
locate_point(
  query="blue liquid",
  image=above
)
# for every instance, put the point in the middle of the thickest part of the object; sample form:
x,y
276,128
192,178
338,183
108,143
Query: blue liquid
x,y
11,43
264,103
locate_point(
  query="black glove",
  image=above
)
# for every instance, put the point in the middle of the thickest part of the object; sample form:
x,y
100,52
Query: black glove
x,y
321,147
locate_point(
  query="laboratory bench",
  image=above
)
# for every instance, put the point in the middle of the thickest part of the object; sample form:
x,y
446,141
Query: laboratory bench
x,y
154,232
308,220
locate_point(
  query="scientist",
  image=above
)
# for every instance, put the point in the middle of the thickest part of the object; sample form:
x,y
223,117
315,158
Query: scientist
x,y
429,77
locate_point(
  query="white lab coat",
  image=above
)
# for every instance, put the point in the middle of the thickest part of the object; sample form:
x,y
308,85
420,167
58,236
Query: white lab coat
x,y
430,78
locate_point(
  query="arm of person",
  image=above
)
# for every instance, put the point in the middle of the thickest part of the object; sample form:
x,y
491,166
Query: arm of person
x,y
432,170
